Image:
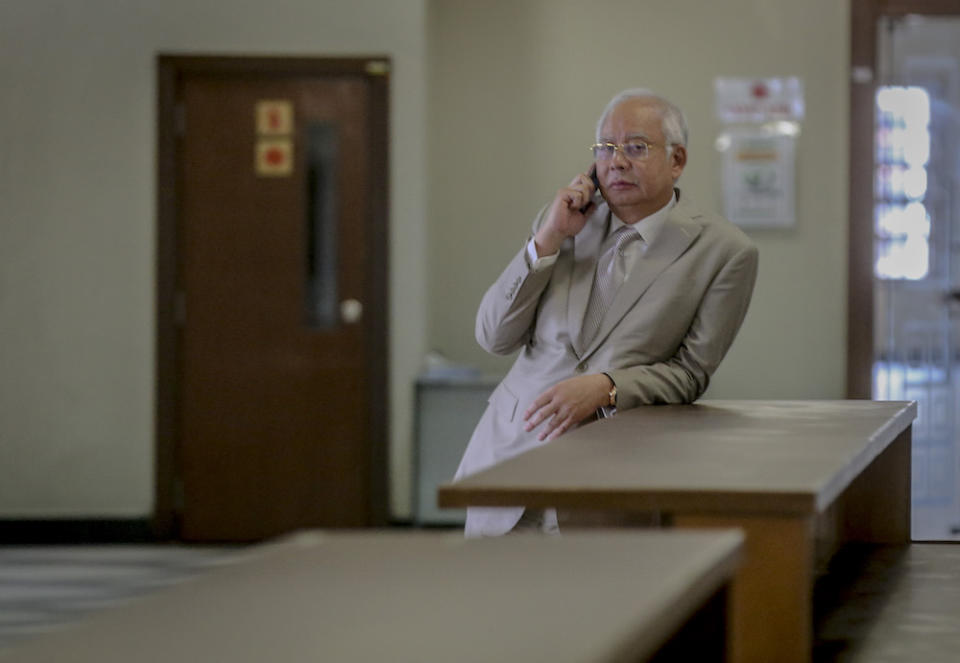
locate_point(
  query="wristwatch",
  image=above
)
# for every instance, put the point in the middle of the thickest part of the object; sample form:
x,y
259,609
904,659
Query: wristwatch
x,y
612,394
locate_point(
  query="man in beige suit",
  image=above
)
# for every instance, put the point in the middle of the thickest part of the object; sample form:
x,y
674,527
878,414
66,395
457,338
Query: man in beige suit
x,y
624,297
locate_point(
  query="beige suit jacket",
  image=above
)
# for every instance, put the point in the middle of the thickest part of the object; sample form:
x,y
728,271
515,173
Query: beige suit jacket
x,y
663,336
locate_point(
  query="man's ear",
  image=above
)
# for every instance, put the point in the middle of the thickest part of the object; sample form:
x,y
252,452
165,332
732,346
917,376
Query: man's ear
x,y
678,159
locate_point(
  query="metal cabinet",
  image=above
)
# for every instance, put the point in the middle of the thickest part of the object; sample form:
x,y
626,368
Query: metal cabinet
x,y
447,410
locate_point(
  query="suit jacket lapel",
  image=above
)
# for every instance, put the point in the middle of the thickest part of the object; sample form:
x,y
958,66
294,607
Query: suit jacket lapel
x,y
678,232
586,246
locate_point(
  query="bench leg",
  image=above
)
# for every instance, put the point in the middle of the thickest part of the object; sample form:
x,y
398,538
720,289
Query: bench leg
x,y
876,505
772,598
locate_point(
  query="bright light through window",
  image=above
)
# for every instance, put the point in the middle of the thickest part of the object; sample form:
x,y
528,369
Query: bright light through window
x,y
902,225
894,220
912,104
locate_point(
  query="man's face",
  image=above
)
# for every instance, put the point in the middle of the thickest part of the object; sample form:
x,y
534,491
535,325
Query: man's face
x,y
632,186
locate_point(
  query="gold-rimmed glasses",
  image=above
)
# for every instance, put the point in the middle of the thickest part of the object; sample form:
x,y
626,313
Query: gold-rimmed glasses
x,y
636,150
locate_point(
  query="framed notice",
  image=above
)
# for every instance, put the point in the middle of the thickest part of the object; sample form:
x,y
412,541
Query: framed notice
x,y
759,179
761,124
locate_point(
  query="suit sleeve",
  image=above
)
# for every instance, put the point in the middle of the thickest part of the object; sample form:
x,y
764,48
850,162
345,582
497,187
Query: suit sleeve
x,y
685,376
508,310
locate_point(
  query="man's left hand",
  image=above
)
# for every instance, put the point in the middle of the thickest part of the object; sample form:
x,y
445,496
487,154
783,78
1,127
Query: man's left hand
x,y
566,404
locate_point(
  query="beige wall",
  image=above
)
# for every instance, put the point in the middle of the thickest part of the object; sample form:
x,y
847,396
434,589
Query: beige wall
x,y
493,105
514,91
77,246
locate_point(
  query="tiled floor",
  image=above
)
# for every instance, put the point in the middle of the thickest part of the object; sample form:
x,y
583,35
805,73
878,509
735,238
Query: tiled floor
x,y
43,588
890,604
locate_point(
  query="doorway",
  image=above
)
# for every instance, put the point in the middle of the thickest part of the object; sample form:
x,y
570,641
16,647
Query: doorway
x,y
272,330
904,327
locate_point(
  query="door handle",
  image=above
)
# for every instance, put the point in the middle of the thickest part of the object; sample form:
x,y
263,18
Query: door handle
x,y
351,311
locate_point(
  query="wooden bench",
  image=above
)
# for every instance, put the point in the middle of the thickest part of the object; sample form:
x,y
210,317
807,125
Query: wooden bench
x,y
797,477
387,596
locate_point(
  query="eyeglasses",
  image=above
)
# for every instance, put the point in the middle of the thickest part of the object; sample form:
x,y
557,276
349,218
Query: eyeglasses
x,y
636,150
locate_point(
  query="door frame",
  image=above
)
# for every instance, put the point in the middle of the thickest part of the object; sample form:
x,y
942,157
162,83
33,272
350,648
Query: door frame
x,y
171,69
864,17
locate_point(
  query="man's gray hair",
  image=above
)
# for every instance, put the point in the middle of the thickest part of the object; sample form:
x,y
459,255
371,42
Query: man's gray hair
x,y
674,122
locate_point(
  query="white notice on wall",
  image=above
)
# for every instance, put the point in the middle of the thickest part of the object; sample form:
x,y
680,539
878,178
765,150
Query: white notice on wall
x,y
758,179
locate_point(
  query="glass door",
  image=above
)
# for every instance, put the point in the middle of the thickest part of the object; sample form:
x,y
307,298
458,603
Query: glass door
x,y
916,267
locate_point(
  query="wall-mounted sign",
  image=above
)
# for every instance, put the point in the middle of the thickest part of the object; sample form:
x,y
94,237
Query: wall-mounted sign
x,y
748,100
760,120
274,117
274,157
758,179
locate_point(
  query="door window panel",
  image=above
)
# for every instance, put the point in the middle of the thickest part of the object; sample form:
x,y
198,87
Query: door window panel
x,y
322,265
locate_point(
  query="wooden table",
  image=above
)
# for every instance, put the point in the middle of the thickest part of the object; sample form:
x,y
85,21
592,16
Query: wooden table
x,y
387,596
795,476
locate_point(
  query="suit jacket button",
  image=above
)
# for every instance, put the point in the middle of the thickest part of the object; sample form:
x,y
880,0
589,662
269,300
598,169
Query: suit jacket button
x,y
581,368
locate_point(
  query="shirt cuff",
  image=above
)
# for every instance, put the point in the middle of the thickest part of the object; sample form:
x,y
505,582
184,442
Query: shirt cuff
x,y
536,264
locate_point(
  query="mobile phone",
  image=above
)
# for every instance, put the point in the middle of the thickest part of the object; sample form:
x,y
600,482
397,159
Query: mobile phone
x,y
596,184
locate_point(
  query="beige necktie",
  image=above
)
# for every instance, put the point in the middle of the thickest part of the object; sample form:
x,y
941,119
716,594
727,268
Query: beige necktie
x,y
611,273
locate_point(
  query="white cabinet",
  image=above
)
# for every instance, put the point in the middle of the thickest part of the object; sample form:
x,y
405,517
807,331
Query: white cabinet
x,y
447,412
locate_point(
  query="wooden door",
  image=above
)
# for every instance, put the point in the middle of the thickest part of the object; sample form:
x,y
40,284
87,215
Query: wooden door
x,y
280,403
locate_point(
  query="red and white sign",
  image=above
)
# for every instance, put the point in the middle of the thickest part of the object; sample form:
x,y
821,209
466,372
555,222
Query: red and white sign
x,y
758,100
274,157
274,117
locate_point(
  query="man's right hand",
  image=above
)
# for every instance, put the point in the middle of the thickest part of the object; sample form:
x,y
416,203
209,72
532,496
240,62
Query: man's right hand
x,y
565,218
